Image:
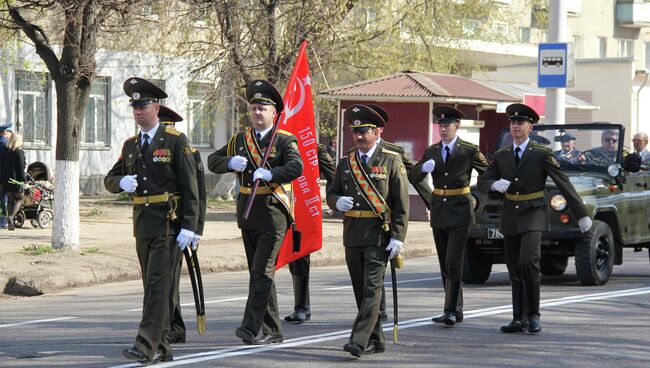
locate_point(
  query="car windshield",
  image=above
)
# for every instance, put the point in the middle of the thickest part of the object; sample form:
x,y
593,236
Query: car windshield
x,y
577,146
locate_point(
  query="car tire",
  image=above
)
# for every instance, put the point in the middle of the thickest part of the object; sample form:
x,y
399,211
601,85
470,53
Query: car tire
x,y
594,255
476,267
553,264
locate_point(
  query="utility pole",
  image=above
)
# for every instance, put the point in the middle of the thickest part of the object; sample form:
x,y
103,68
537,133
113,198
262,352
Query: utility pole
x,y
557,32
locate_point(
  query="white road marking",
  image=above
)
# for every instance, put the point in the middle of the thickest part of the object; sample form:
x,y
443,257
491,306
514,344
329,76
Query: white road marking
x,y
337,335
36,321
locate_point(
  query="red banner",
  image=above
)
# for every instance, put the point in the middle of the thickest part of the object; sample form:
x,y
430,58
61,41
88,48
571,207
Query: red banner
x,y
298,118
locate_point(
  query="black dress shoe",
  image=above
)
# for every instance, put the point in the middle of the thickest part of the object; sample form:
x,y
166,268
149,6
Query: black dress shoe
x,y
246,336
298,317
268,339
448,318
516,325
159,357
176,339
534,325
459,317
134,353
354,349
375,348
383,315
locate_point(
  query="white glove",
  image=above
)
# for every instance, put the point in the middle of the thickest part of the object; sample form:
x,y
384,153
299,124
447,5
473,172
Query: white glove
x,y
585,224
237,163
428,166
394,246
128,183
344,204
500,185
263,174
184,238
195,241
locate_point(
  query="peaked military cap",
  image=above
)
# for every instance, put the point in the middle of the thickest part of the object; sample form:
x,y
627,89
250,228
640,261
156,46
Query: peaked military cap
x,y
521,112
363,117
379,110
264,92
446,114
168,116
564,137
142,92
5,127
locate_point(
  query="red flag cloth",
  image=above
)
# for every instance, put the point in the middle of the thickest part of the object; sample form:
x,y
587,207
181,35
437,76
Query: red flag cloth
x,y
299,119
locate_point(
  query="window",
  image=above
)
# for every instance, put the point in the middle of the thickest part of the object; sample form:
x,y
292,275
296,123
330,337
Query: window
x,y
524,34
601,47
500,29
95,127
577,46
33,115
202,115
470,27
625,48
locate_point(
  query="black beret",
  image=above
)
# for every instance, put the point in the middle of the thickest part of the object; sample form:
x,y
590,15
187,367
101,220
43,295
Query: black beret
x,y
446,114
142,92
168,116
521,112
362,116
264,92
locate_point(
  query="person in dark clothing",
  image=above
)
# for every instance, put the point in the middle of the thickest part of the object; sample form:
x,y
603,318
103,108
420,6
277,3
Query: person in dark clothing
x,y
13,170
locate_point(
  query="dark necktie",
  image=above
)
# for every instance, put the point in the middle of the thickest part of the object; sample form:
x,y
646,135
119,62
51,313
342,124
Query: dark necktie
x,y
145,142
364,158
259,137
448,155
517,150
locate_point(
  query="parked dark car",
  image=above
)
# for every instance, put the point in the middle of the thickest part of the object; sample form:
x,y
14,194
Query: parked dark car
x,y
616,195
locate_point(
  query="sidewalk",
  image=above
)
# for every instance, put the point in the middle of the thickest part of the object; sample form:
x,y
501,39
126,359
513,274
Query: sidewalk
x,y
108,249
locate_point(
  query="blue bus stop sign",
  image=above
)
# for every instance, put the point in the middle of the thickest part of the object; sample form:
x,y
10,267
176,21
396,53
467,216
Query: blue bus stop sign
x,y
552,62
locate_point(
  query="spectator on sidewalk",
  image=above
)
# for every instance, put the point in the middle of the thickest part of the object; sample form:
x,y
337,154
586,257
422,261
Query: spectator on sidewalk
x,y
13,172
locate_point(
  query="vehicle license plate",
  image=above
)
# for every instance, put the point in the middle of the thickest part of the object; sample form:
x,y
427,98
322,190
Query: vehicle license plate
x,y
494,233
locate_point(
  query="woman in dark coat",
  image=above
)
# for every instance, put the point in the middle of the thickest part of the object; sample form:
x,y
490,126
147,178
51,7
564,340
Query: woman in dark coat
x,y
13,168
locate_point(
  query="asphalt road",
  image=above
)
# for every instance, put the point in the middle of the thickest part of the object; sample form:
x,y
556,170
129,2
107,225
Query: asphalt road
x,y
602,326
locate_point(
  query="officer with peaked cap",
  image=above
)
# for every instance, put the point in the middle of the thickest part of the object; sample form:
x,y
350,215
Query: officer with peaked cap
x,y
450,163
270,215
422,187
169,117
520,172
157,168
375,222
568,152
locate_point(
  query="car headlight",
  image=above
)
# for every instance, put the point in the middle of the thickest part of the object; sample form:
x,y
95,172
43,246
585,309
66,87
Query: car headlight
x,y
613,170
474,201
558,203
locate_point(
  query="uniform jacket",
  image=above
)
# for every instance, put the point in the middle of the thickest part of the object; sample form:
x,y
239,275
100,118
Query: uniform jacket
x,y
325,165
13,168
536,164
393,187
421,187
171,169
267,213
451,211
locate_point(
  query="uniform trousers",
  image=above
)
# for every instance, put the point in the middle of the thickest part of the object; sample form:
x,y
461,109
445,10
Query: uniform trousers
x,y
157,257
262,248
522,258
367,266
450,246
177,328
300,273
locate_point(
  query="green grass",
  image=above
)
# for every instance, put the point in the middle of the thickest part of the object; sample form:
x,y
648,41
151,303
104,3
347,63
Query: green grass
x,y
37,249
89,250
95,212
123,196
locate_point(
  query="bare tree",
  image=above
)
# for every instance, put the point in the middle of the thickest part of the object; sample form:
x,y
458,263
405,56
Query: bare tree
x,y
78,26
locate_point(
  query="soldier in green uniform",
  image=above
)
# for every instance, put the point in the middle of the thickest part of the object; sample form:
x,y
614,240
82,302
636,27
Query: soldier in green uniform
x,y
169,118
371,188
270,216
450,163
157,168
421,187
520,171
300,268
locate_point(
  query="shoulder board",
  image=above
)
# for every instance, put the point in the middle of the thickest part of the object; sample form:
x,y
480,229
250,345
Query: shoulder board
x,y
193,149
539,147
390,152
284,132
468,144
437,145
503,149
351,150
172,131
135,137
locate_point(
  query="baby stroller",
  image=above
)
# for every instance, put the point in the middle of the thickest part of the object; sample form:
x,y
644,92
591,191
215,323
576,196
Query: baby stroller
x,y
39,197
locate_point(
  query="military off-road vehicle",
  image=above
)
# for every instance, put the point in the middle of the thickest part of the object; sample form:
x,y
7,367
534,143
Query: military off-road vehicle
x,y
614,186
